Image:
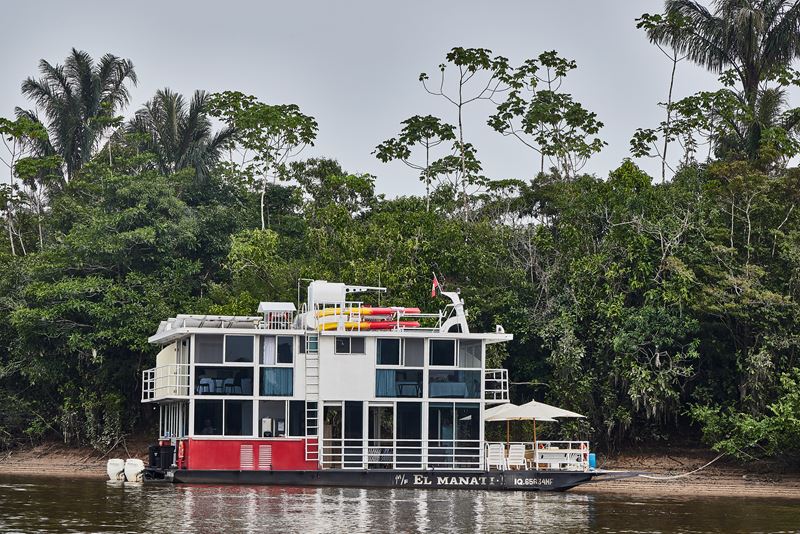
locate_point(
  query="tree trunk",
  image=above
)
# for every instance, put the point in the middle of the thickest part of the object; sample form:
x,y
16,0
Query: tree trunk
x,y
669,117
263,194
10,230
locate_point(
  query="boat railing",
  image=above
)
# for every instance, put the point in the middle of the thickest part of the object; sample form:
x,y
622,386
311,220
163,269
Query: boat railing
x,y
495,385
277,320
165,381
551,455
412,454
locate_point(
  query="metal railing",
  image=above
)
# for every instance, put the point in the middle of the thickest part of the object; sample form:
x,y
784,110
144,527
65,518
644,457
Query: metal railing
x,y
277,320
450,454
165,381
495,385
552,455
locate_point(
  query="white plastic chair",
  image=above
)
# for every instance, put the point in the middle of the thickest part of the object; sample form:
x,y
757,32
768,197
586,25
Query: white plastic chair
x,y
495,456
516,456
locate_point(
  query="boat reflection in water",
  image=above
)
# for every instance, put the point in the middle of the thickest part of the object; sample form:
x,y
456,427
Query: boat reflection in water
x,y
287,509
42,504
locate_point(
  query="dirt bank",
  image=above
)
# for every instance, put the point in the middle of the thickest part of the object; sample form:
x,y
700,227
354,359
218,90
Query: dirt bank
x,y
56,459
724,478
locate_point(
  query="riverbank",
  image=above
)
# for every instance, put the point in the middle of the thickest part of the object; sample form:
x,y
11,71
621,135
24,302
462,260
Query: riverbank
x,y
57,459
724,478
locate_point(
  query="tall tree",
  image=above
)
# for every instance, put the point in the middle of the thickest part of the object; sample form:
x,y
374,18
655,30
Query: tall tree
x,y
475,75
268,136
543,118
80,100
427,133
753,38
179,134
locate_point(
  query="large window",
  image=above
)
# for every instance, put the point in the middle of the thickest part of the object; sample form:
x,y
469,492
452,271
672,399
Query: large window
x,y
388,352
443,352
277,381
349,345
239,349
297,418
217,380
454,384
228,417
208,349
208,417
398,383
281,418
277,350
238,418
469,353
413,352
285,350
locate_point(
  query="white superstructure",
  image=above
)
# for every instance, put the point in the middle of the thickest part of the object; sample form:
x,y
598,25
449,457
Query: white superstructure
x,y
360,386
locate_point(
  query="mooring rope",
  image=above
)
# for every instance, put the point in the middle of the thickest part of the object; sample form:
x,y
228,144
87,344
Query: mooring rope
x,y
684,474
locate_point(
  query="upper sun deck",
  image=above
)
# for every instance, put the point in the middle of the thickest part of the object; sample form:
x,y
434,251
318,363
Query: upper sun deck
x,y
330,312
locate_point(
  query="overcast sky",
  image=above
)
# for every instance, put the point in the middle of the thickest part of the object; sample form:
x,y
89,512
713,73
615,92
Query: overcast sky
x,y
354,65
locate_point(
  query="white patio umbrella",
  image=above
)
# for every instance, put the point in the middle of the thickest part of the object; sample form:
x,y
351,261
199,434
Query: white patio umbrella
x,y
511,412
531,411
495,414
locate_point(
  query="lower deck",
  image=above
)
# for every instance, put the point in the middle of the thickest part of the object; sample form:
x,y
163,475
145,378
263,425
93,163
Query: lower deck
x,y
522,480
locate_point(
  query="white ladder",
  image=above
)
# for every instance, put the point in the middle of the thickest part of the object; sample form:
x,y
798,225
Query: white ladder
x,y
312,397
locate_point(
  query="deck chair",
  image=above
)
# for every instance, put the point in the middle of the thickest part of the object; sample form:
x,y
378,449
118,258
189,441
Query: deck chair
x,y
516,456
495,456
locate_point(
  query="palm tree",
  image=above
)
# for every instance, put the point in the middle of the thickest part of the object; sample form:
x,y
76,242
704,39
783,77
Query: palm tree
x,y
79,100
753,38
179,135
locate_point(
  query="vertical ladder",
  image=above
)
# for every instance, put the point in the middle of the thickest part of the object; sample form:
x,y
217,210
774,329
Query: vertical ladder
x,y
312,397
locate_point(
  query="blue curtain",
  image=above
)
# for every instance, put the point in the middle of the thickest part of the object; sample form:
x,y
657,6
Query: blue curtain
x,y
385,383
277,381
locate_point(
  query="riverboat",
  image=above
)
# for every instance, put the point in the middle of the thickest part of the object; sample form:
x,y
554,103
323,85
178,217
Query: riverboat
x,y
341,393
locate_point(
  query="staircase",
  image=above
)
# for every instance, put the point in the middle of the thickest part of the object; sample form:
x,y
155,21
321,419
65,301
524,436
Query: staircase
x,y
312,397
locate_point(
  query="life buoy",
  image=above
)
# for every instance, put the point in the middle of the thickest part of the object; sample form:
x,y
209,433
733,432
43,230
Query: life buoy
x,y
584,446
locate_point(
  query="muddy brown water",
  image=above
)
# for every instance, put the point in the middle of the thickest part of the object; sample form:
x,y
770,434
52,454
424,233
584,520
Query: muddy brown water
x,y
41,504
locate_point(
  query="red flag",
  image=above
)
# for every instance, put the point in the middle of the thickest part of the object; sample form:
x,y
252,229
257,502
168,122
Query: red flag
x,y
435,285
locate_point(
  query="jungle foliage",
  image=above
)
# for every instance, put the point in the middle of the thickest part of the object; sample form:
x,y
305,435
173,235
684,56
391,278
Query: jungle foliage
x,y
660,310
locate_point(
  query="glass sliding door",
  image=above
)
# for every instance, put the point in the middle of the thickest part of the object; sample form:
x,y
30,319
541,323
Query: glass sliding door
x,y
468,434
354,434
408,423
380,445
332,418
440,434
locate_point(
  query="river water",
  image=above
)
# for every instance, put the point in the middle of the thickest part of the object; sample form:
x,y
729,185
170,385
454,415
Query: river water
x,y
36,504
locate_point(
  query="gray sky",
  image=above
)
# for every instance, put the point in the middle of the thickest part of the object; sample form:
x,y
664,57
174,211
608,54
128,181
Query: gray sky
x,y
354,65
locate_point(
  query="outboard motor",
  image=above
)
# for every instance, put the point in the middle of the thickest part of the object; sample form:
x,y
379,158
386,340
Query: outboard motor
x,y
116,470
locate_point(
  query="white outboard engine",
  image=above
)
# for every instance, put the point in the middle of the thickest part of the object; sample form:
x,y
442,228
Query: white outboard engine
x,y
116,470
134,470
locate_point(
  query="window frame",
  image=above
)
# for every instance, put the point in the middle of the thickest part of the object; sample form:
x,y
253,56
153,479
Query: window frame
x,y
455,353
225,349
261,342
400,352
349,345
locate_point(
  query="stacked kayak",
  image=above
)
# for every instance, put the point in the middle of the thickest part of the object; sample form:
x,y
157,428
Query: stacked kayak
x,y
365,310
372,318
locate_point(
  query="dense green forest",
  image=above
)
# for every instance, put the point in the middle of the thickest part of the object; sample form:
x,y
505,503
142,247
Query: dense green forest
x,y
663,307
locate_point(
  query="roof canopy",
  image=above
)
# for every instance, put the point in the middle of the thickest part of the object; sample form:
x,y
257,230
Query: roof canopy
x,y
530,411
266,307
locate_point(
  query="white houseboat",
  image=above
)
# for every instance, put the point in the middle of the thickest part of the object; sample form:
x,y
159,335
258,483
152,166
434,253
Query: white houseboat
x,y
340,393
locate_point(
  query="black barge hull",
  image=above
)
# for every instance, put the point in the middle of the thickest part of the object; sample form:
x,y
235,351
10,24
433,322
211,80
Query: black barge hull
x,y
541,480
